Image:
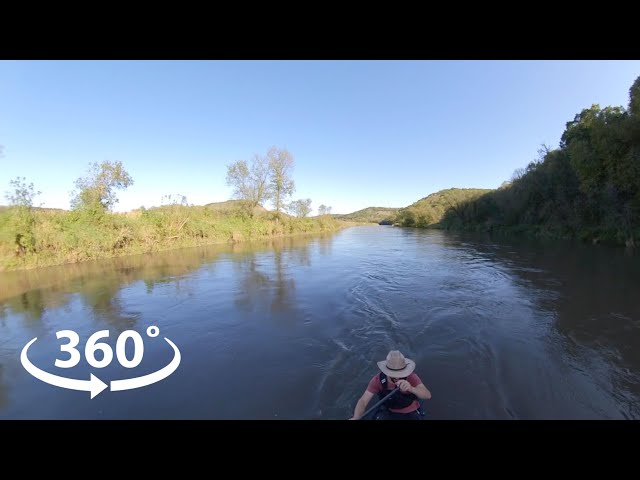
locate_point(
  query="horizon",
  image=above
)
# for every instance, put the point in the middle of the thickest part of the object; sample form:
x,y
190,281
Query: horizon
x,y
363,134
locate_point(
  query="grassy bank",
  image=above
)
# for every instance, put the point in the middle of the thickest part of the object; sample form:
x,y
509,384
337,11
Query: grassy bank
x,y
31,238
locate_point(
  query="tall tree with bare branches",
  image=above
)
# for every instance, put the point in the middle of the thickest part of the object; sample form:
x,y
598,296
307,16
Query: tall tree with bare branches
x,y
250,182
280,182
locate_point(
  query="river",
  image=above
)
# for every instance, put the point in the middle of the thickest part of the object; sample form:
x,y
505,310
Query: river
x,y
500,328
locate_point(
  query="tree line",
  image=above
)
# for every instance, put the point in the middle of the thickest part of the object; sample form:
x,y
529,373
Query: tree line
x,y
33,237
588,188
95,192
269,178
254,183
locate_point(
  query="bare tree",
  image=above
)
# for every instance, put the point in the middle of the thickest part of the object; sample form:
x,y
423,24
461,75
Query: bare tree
x,y
250,183
177,199
280,181
300,208
22,193
543,151
518,174
324,210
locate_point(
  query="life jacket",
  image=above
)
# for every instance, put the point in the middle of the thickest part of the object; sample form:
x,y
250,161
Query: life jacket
x,y
399,400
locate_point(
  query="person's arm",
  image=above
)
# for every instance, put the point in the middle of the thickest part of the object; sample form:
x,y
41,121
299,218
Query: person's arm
x,y
419,390
362,405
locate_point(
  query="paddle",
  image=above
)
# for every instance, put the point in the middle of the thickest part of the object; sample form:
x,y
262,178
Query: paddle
x,y
396,390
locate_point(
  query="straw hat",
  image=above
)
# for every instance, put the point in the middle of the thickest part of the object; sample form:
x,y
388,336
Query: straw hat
x,y
396,366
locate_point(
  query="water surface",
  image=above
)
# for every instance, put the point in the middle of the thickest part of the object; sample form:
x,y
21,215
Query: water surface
x,y
291,329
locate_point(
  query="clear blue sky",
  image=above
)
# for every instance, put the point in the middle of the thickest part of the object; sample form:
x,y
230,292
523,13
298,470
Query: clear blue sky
x,y
363,133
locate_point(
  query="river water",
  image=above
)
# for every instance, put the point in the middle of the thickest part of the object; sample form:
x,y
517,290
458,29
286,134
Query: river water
x,y
500,328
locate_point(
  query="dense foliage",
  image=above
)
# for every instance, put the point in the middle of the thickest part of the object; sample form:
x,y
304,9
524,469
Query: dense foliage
x,y
588,188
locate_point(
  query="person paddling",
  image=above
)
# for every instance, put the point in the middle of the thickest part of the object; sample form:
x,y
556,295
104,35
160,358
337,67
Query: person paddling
x,y
395,372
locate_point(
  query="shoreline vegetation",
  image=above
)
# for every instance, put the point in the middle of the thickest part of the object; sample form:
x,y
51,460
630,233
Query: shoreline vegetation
x,y
32,237
587,189
62,237
35,289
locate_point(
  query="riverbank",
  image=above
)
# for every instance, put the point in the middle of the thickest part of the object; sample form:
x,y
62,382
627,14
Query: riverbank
x,y
39,238
611,237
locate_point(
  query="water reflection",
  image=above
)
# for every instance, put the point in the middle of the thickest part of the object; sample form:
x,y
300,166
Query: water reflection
x,y
31,305
588,293
266,281
325,243
106,306
31,293
193,295
253,283
590,289
4,394
499,328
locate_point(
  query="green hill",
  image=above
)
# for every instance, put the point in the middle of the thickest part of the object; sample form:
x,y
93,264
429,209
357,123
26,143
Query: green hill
x,y
370,215
4,208
431,209
587,188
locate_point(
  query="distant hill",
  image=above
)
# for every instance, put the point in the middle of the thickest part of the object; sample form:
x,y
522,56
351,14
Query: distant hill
x,y
39,209
430,209
370,214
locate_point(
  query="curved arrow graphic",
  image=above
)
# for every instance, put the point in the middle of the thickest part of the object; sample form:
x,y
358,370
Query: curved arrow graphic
x,y
93,385
137,382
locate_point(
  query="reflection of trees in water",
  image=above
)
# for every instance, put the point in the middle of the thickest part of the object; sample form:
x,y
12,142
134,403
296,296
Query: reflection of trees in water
x,y
283,287
68,278
30,304
33,292
104,301
261,291
595,292
4,390
325,242
590,290
254,284
598,307
266,286
33,304
182,285
299,256
173,268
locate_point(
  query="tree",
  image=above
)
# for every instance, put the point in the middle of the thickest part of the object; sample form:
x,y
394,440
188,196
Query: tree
x,y
634,123
174,200
634,98
301,208
23,219
406,217
280,181
96,191
324,210
250,183
543,151
518,173
22,194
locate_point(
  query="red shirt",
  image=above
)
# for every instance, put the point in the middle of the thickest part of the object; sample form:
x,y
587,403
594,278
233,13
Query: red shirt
x,y
375,387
